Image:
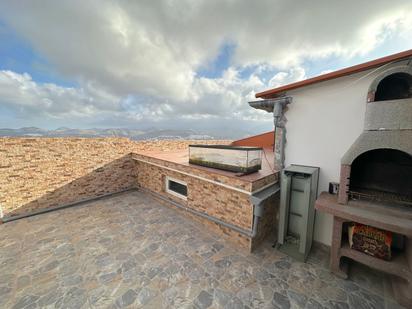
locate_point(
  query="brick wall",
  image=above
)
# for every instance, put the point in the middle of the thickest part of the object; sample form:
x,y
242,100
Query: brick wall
x,y
242,241
225,204
39,173
217,201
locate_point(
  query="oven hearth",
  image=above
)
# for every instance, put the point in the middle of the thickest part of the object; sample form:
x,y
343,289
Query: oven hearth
x,y
382,175
376,182
379,196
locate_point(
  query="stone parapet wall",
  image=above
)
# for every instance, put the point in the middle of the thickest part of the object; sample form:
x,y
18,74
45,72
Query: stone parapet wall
x,y
225,204
242,241
200,171
38,173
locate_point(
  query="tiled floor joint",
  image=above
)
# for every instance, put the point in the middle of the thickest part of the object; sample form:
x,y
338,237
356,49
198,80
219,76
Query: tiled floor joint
x,y
131,251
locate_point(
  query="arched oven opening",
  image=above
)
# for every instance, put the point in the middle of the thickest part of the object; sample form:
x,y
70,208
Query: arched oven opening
x,y
375,189
382,175
396,86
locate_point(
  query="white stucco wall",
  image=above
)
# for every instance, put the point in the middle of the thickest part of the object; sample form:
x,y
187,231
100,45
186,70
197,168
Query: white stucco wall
x,y
323,121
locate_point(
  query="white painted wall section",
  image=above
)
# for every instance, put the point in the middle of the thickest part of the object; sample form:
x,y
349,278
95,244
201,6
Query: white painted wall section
x,y
323,121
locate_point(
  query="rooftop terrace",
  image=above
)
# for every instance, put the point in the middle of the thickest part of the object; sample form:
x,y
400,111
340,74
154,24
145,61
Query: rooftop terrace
x,y
128,250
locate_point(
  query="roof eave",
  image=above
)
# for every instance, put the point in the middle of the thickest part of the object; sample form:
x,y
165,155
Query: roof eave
x,y
271,93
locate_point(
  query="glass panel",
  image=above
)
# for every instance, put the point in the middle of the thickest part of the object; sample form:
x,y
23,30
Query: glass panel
x,y
236,159
254,158
178,187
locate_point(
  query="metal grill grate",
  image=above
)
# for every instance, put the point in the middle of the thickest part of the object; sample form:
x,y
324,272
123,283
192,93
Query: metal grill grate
x,y
380,196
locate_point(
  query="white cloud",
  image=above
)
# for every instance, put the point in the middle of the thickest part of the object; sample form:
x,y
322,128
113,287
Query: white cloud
x,y
282,78
28,97
137,60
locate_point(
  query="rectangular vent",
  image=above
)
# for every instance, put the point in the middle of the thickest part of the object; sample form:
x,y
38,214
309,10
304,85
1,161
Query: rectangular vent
x,y
176,187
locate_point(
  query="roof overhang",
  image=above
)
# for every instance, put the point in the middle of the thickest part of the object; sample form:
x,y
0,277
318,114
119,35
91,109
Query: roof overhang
x,y
273,93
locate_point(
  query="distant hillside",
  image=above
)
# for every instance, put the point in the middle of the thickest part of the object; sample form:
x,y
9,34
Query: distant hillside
x,y
151,134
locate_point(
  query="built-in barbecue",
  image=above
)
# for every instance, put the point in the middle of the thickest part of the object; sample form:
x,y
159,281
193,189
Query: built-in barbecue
x,y
382,175
378,166
375,191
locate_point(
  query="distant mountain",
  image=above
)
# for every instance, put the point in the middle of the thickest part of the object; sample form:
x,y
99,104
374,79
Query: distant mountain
x,y
134,134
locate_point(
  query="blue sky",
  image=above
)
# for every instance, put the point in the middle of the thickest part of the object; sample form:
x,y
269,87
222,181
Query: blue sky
x,y
216,66
189,66
17,54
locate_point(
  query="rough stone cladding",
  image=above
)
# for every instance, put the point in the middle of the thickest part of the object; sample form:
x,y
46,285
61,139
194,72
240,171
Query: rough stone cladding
x,y
232,180
39,173
242,241
225,204
273,178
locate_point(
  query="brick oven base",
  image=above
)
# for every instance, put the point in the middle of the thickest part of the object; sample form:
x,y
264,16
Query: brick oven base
x,y
394,220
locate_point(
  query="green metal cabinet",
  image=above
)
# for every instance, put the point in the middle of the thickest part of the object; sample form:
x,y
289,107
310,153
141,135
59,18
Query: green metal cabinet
x,y
299,186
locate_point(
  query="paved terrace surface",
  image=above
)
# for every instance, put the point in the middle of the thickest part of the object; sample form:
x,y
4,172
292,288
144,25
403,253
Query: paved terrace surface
x,y
130,251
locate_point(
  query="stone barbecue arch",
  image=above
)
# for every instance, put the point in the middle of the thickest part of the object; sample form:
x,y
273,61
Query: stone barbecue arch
x,y
393,84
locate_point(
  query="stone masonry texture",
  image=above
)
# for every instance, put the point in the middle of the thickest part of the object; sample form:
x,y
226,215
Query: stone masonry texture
x,y
225,204
215,200
228,205
38,173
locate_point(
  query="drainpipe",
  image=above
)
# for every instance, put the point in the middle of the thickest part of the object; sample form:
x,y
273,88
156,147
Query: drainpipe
x,y
258,201
276,106
257,214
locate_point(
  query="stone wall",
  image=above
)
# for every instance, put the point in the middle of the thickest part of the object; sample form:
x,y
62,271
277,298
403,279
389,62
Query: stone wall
x,y
241,240
38,173
226,204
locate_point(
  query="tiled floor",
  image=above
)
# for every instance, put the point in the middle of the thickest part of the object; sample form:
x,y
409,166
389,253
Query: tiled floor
x,y
128,250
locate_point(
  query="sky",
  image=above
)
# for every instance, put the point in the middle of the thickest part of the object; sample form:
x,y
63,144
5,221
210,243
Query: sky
x,y
178,64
